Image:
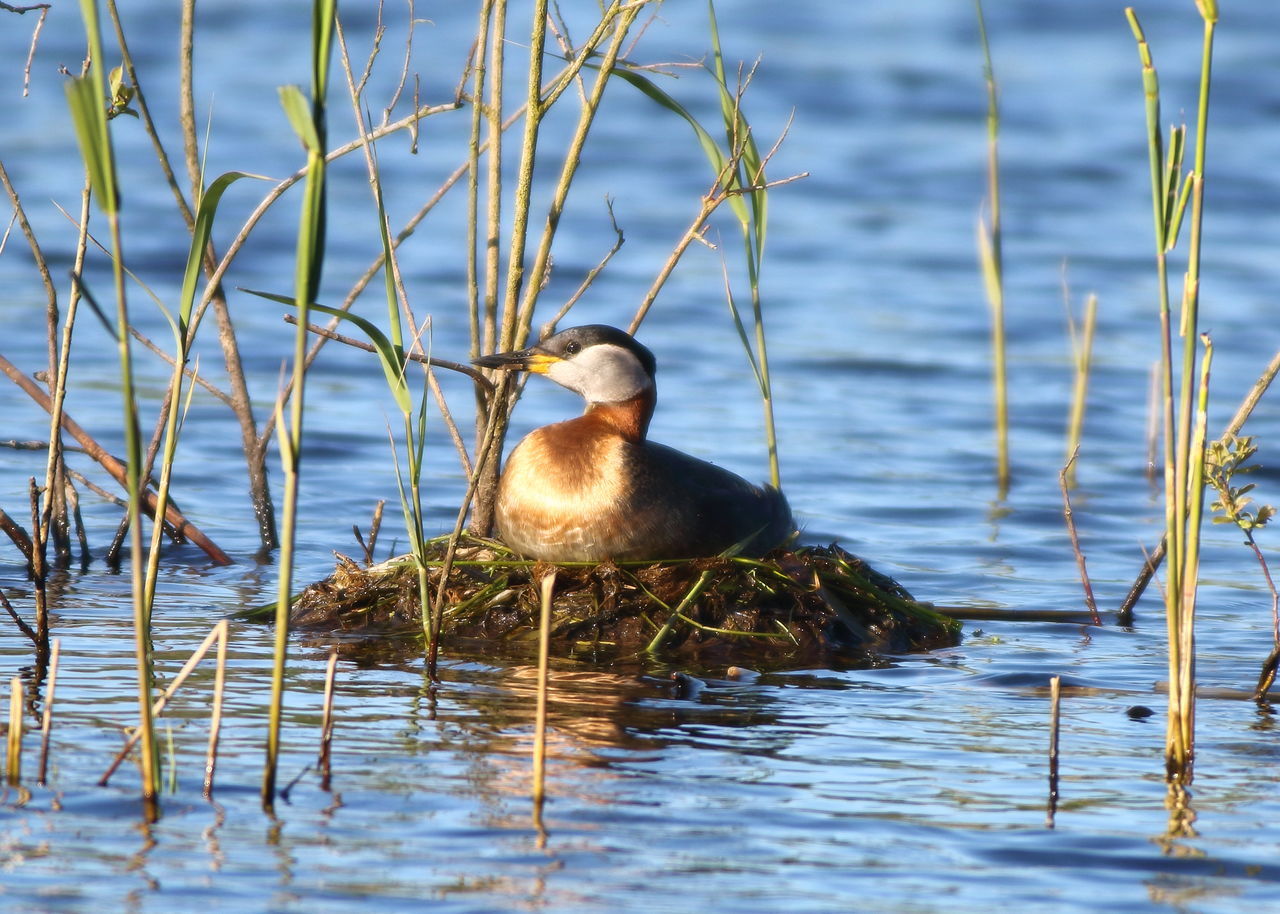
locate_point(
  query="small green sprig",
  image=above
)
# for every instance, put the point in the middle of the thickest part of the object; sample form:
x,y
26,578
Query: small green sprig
x,y
121,95
1223,460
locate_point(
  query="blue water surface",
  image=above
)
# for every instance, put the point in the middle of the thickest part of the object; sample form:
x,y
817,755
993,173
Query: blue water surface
x,y
914,785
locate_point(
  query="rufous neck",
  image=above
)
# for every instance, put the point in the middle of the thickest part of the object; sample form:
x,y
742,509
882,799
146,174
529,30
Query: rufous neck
x,y
629,418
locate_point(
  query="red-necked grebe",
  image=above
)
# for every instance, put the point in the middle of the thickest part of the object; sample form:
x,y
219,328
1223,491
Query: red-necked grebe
x,y
593,488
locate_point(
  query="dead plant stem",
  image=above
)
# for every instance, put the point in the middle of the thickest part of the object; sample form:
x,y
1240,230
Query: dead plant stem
x,y
1075,539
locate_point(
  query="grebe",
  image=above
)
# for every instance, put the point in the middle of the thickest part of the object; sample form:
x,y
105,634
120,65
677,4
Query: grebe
x,y
593,488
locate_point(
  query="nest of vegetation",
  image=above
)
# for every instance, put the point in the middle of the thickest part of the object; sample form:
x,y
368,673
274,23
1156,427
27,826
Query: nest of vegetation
x,y
789,605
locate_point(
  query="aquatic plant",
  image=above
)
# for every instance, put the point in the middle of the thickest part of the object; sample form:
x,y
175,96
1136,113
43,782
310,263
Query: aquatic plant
x,y
1225,459
85,95
307,116
991,258
1184,439
1082,360
502,307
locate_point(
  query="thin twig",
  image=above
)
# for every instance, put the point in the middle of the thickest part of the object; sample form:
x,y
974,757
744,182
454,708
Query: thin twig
x,y
547,328
1075,539
1055,702
218,634
113,466
215,713
447,415
473,373
13,613
14,531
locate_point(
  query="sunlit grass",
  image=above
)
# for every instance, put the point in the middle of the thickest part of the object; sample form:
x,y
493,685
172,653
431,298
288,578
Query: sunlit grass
x,y
1184,421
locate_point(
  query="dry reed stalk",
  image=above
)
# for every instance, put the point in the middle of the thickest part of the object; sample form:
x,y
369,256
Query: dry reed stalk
x,y
1055,703
215,713
1153,422
1082,361
51,517
13,759
991,257
1075,539
219,635
116,468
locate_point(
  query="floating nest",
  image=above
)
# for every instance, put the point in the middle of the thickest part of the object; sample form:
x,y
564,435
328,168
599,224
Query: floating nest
x,y
788,606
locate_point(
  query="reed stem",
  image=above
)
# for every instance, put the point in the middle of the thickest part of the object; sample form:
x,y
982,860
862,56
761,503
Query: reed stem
x,y
990,246
87,95
219,635
309,122
215,713
1055,707
1184,422
694,592
13,756
1082,359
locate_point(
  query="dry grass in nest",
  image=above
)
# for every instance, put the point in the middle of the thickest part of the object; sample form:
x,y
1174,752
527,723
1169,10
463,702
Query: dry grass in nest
x,y
788,606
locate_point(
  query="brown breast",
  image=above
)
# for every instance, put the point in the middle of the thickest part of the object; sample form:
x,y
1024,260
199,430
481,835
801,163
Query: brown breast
x,y
592,489
564,491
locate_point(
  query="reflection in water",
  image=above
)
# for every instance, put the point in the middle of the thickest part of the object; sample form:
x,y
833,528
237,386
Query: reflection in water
x,y
1182,818
210,835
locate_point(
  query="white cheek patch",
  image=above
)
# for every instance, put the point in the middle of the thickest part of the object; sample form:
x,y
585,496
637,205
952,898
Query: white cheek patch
x,y
602,374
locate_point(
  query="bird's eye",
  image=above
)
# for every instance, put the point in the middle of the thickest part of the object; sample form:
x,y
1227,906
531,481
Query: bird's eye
x,y
573,348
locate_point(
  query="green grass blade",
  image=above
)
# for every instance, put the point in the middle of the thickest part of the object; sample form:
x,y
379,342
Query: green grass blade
x,y
307,271
200,236
298,110
91,131
740,139
86,96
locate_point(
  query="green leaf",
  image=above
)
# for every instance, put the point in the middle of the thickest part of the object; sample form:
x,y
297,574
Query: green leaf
x,y
298,110
738,133
87,97
742,335
90,122
199,243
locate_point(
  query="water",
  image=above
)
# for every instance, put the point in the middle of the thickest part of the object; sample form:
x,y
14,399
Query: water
x,y
913,785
